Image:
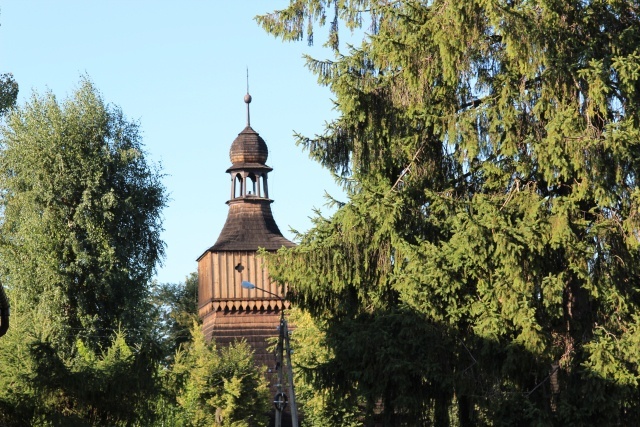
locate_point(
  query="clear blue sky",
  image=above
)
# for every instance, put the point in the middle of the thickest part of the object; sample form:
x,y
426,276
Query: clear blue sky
x,y
179,68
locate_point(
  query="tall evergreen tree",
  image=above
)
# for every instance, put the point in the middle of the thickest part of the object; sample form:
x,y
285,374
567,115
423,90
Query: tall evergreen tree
x,y
487,258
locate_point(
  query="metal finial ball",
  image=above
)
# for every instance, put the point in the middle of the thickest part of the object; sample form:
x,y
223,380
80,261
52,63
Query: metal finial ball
x,y
247,98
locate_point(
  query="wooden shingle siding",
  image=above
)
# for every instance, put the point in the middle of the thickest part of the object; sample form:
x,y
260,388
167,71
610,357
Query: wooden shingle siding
x,y
256,327
249,226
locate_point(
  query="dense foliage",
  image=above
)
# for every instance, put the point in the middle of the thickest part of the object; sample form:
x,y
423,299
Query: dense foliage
x,y
176,309
8,92
79,241
485,268
81,215
210,386
91,343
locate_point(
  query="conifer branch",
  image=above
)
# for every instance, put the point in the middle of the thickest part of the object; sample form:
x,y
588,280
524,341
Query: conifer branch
x,y
407,169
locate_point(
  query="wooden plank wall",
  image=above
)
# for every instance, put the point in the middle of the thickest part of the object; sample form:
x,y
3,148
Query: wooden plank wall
x,y
220,276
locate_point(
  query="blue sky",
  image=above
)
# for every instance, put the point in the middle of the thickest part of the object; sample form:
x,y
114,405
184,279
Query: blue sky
x,y
179,68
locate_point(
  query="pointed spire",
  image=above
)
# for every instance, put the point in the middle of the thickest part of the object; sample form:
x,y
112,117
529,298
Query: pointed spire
x,y
247,99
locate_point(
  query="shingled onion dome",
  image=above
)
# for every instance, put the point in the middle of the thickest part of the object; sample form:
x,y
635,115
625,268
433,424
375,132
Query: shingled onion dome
x,y
248,148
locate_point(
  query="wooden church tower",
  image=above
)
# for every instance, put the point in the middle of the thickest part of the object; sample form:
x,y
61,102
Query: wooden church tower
x,y
227,310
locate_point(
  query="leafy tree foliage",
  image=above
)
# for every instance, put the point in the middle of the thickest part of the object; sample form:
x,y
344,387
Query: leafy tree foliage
x,y
79,241
81,215
8,92
485,268
177,306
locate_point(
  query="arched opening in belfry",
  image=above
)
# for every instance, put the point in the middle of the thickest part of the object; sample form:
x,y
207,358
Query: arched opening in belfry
x,y
237,186
253,188
262,183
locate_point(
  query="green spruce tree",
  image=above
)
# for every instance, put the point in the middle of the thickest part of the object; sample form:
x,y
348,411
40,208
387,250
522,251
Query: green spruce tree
x,y
485,268
210,386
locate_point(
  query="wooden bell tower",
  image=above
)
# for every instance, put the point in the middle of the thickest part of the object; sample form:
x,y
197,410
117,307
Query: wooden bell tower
x,y
228,311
